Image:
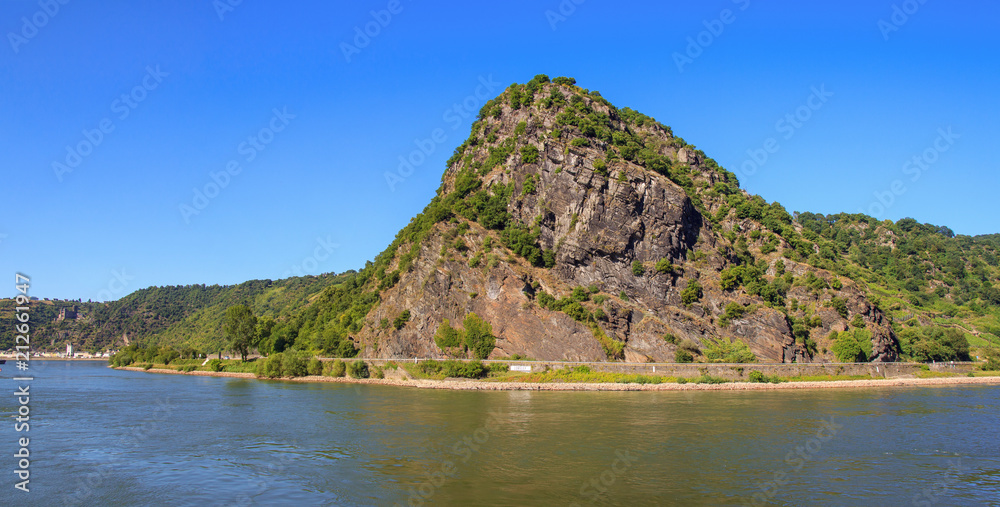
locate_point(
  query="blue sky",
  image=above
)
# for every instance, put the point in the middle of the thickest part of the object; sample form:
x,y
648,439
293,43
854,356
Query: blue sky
x,y
184,89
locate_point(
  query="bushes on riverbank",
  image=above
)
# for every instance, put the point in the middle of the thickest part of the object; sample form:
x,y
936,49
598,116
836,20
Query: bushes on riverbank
x,y
758,377
451,368
155,355
358,369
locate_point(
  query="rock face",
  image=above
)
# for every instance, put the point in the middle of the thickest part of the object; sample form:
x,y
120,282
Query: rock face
x,y
606,224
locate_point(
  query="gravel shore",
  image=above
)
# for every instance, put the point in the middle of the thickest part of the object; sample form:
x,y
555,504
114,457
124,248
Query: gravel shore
x,y
476,385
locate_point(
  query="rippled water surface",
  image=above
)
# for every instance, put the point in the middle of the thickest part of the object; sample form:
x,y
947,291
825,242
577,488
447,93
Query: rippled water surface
x,y
106,437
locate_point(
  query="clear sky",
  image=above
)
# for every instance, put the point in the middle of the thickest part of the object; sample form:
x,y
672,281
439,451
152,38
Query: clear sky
x,y
115,112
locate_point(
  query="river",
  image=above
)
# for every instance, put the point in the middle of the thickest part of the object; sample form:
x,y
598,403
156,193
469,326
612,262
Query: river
x,y
104,437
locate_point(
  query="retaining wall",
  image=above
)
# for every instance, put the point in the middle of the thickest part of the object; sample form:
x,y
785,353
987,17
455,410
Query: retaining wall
x,y
729,371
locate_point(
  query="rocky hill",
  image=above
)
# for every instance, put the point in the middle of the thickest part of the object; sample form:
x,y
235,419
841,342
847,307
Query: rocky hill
x,y
582,232
568,229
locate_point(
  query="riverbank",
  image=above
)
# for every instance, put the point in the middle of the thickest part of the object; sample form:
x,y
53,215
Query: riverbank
x,y
54,358
488,385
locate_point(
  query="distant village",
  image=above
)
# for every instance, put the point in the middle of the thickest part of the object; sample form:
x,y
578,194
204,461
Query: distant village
x,y
65,313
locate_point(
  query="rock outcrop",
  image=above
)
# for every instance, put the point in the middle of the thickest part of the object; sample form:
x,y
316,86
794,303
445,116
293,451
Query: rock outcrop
x,y
625,218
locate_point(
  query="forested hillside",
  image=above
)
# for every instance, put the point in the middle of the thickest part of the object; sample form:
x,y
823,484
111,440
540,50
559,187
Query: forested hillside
x,y
175,315
566,228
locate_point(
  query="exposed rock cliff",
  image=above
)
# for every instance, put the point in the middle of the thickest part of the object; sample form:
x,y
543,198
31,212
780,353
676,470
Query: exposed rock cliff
x,y
557,190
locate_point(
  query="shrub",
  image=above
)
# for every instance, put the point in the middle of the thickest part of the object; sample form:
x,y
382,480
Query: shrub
x,y
724,350
709,379
840,305
733,311
452,368
637,268
271,367
600,166
529,154
933,344
336,369
848,349
401,320
315,366
692,293
498,367
664,266
577,312
992,364
478,336
121,359
358,369
215,365
295,364
447,336
759,378
580,141
671,338
683,356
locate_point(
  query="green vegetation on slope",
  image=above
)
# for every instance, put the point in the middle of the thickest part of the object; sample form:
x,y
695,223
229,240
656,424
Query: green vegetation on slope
x,y
933,284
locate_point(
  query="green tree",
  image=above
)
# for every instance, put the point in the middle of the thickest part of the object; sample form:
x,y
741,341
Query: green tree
x,y
691,293
401,319
265,342
848,348
724,350
240,328
447,336
637,268
683,356
664,266
479,336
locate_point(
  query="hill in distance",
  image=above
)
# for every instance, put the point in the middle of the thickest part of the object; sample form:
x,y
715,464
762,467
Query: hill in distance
x,y
568,229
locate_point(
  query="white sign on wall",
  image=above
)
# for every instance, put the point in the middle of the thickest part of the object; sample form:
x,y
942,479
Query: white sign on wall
x,y
520,367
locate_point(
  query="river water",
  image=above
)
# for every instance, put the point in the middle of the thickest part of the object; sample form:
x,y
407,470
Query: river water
x,y
104,437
